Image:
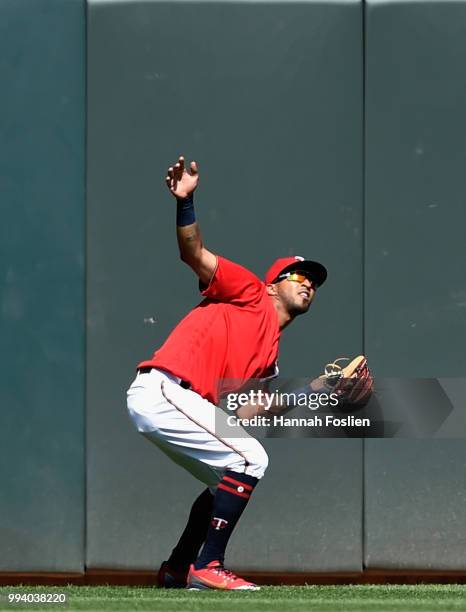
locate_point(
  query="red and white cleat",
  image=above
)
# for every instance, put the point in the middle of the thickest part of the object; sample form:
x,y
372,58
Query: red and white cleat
x,y
170,579
215,576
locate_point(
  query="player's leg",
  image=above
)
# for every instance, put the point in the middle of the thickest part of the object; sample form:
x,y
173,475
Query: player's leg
x,y
173,573
233,491
187,550
183,425
230,500
231,496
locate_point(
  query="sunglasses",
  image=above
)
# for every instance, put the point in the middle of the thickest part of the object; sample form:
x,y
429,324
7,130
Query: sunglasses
x,y
296,277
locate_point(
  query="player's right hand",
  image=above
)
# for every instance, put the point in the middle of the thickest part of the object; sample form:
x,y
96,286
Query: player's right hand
x,y
179,181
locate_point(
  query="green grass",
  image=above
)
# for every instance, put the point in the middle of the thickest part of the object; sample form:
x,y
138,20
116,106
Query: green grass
x,y
402,598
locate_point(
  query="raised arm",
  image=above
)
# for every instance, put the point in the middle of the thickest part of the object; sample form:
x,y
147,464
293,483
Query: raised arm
x,y
182,185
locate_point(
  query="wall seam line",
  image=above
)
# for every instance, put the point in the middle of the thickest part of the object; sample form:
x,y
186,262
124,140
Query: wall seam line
x,y
363,474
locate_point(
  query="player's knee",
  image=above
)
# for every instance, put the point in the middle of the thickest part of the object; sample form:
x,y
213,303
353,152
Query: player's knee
x,y
253,461
258,462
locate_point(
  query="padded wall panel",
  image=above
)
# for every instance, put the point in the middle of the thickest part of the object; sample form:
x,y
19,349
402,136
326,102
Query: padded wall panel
x,y
415,269
414,504
267,97
415,157
42,270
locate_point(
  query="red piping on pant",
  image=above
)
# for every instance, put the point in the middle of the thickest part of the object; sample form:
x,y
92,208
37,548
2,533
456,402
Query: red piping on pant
x,y
230,446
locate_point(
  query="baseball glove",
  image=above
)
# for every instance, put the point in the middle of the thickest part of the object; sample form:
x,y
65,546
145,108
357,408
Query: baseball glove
x,y
353,384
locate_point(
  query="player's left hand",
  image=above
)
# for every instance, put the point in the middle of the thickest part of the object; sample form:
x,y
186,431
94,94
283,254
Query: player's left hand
x,y
353,384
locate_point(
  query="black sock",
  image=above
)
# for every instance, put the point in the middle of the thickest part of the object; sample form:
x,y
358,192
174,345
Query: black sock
x,y
194,534
230,500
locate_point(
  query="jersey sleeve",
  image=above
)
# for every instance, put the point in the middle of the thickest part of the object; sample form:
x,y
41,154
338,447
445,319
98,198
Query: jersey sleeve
x,y
234,284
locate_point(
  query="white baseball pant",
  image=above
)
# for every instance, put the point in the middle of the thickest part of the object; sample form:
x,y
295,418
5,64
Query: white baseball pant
x,y
182,424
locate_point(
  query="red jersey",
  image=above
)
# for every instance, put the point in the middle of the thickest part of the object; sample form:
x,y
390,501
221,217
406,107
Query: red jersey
x,y
232,334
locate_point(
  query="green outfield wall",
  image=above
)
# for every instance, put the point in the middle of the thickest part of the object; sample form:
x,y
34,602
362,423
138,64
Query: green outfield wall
x,y
415,289
332,130
42,114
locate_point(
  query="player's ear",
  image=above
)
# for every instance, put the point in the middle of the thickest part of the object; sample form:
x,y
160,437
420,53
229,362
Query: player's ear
x,y
271,289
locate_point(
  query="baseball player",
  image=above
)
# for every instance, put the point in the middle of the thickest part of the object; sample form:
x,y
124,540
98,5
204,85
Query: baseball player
x,y
232,334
